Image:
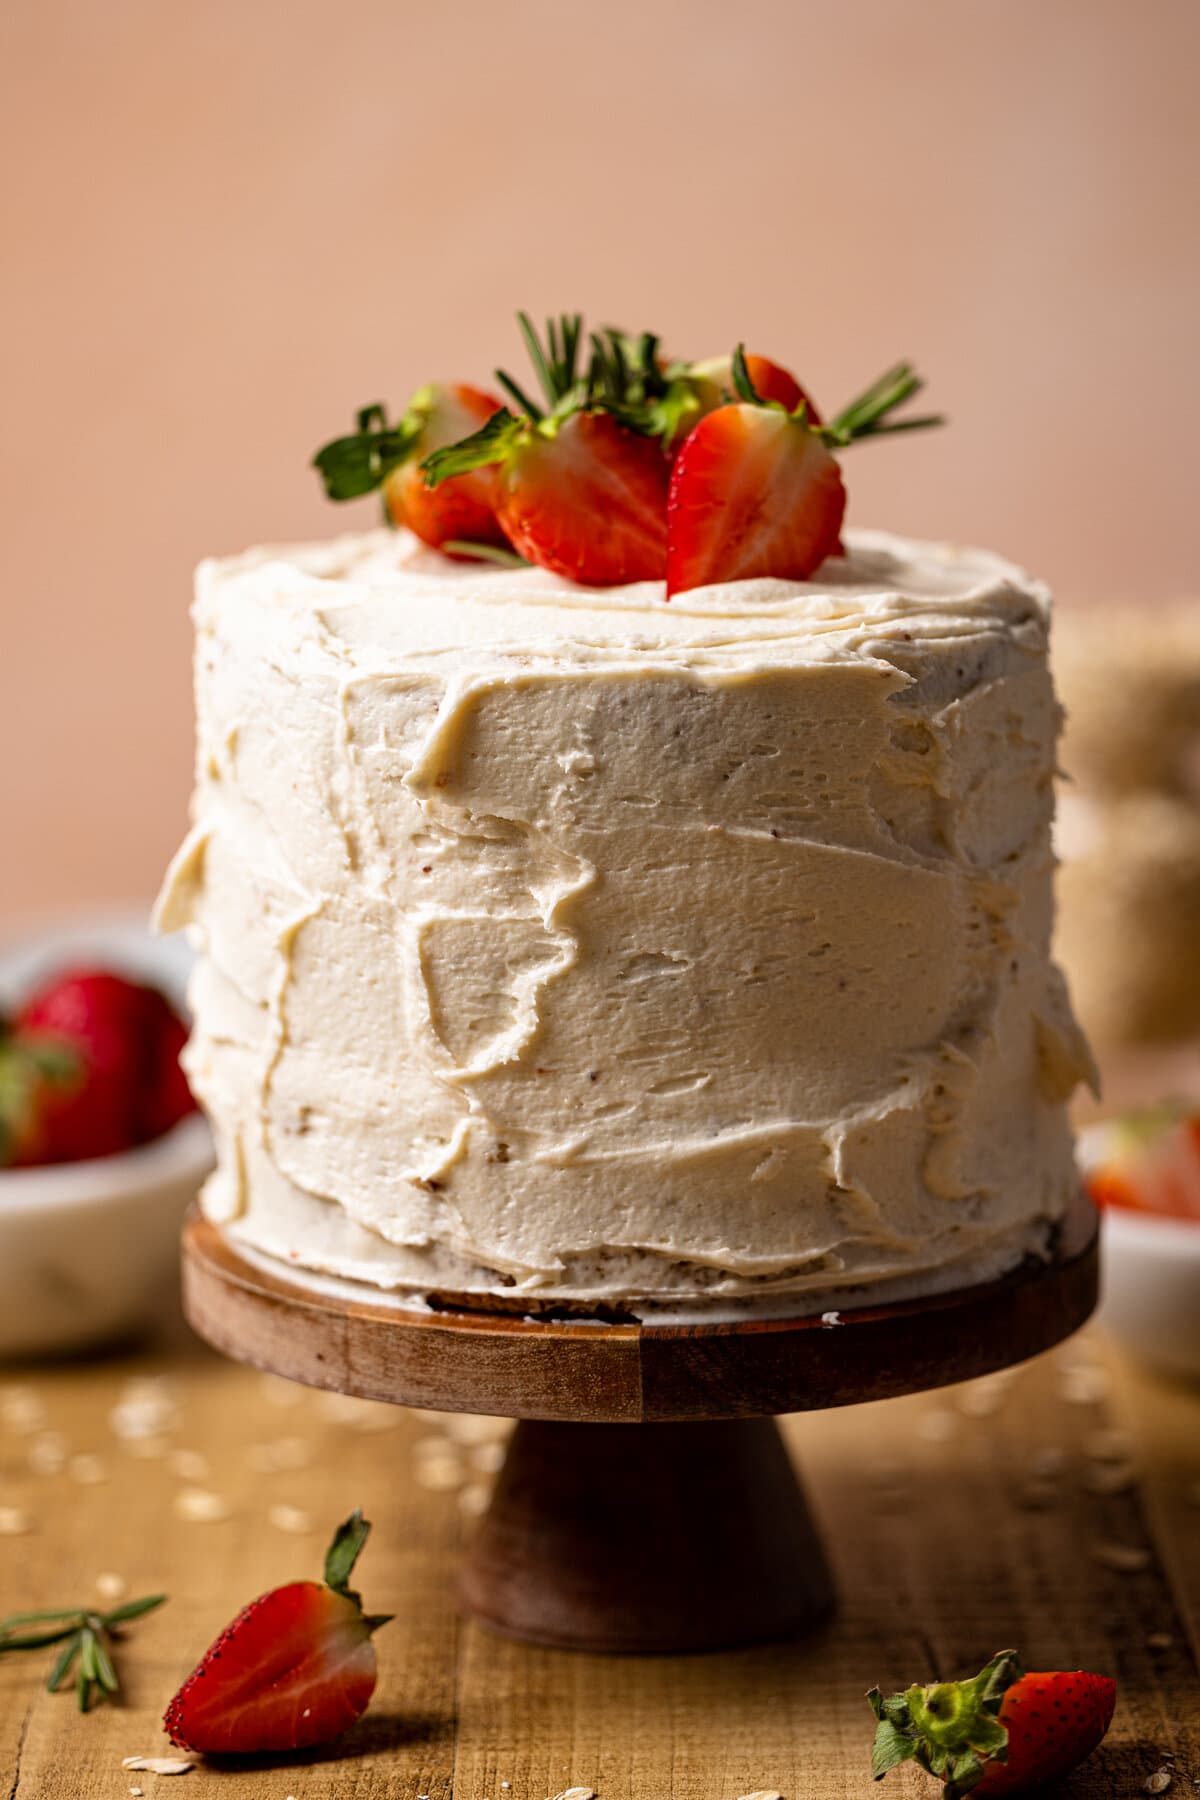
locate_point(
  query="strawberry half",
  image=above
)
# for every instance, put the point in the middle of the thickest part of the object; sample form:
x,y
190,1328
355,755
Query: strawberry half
x,y
582,482
1003,1732
756,489
457,518
296,1667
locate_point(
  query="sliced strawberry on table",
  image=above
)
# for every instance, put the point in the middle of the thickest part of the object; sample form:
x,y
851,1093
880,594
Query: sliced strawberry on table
x,y
756,489
1002,1732
460,517
296,1667
581,481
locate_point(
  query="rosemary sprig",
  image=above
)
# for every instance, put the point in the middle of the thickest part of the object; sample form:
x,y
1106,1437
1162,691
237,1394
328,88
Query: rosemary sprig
x,y
86,1637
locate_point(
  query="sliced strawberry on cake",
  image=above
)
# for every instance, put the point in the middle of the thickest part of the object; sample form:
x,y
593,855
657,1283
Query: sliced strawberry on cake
x,y
460,517
756,489
582,478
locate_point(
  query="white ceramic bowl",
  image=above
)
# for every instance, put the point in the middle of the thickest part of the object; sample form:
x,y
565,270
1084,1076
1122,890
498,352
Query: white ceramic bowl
x,y
1151,1288
89,1251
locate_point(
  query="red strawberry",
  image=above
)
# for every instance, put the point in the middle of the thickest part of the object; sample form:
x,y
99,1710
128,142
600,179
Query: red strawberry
x,y
165,1096
588,500
461,510
103,1021
754,491
1150,1162
296,1667
582,482
771,381
92,1068
1003,1732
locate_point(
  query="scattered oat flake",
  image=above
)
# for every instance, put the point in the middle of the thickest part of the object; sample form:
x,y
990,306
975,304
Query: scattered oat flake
x,y
1109,1445
1110,1478
200,1506
831,1318
487,1458
158,1765
88,1470
1159,1640
763,1794
48,1453
142,1416
1083,1384
189,1465
21,1409
471,1428
440,1473
1159,1782
14,1522
290,1518
111,1586
137,1792
579,1793
982,1399
1126,1559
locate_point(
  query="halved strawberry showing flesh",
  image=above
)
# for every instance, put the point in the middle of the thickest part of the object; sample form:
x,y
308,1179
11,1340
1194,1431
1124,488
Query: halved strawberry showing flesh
x,y
1002,1732
582,480
296,1667
587,500
462,512
754,491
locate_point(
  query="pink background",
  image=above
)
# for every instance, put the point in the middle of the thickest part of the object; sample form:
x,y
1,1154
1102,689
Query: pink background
x,y
227,225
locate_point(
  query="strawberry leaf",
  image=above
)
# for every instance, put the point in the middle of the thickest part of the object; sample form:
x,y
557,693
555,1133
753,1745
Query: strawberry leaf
x,y
358,464
490,444
344,1552
890,1749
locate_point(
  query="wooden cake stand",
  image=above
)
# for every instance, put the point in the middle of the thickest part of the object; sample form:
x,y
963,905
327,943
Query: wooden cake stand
x,y
647,1502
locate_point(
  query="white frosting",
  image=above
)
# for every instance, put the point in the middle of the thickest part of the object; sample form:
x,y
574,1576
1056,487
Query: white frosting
x,y
576,944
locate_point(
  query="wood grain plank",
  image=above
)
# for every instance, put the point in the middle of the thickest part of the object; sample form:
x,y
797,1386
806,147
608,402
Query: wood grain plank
x,y
923,1502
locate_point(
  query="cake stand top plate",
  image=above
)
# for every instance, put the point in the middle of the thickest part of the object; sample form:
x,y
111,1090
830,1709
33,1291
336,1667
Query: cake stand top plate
x,y
630,1373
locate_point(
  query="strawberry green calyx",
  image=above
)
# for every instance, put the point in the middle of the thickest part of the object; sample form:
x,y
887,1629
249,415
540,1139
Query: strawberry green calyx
x,y
340,1558
949,1728
358,464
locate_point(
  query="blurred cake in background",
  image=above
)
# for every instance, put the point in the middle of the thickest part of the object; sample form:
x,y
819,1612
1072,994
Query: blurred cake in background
x,y
1128,831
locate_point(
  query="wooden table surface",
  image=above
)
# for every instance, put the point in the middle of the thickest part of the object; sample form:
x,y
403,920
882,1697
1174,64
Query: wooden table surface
x,y
1056,1510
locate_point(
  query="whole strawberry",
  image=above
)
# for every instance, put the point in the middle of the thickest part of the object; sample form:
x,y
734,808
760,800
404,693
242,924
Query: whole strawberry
x,y
1149,1162
90,1067
296,1667
1002,1732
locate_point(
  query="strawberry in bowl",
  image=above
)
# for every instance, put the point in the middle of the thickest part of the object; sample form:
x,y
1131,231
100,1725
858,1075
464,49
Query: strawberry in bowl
x,y
101,1146
1143,1171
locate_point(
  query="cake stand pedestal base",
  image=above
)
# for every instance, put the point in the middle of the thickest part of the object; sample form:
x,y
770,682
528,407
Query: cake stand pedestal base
x,y
647,1502
648,1538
